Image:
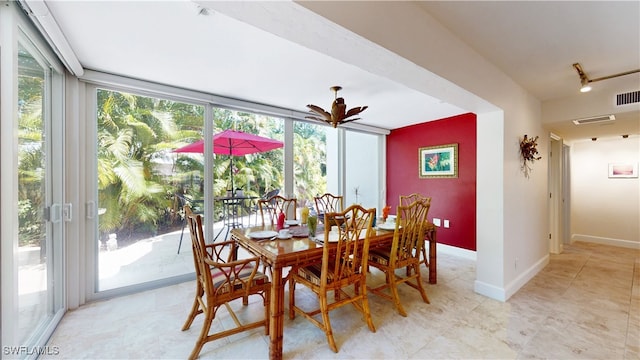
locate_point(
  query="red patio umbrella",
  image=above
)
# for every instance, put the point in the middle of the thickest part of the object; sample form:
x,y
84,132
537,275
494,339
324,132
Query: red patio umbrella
x,y
234,143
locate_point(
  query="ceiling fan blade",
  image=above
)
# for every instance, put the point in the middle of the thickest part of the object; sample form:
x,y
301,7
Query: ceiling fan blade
x,y
355,111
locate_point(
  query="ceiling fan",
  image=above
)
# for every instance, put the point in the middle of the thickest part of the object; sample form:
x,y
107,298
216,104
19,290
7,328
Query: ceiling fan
x,y
339,114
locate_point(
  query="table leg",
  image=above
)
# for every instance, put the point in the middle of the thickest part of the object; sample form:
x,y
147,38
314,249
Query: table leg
x,y
433,276
276,324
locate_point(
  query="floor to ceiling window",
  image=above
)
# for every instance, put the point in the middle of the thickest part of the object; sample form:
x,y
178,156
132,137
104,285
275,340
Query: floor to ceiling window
x,y
147,171
309,161
362,175
143,186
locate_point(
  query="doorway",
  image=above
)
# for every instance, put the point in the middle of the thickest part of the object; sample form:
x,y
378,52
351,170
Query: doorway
x,y
556,187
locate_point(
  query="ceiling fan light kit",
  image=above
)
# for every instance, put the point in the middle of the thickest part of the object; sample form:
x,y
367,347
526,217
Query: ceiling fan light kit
x,y
585,81
339,114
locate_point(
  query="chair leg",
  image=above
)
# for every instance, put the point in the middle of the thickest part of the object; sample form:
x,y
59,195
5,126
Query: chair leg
x,y
202,339
365,306
292,298
184,224
324,308
419,282
195,308
393,287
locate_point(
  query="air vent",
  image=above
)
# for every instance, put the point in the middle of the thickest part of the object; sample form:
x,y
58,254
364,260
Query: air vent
x,y
628,98
594,119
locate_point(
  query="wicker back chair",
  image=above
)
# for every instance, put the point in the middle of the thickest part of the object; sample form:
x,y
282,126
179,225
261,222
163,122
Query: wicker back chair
x,y
406,200
329,203
220,279
272,207
404,252
343,264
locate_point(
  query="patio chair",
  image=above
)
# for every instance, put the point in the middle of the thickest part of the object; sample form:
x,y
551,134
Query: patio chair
x,y
342,266
271,208
219,280
195,206
404,252
406,200
266,196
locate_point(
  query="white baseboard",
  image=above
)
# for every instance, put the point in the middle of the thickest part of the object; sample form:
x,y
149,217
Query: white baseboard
x,y
606,241
489,290
501,294
524,277
456,251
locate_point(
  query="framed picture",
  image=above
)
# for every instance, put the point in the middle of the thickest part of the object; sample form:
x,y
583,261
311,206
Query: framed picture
x,y
623,170
439,161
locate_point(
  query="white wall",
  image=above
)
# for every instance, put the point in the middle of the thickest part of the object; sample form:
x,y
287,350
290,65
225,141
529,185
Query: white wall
x,y
603,209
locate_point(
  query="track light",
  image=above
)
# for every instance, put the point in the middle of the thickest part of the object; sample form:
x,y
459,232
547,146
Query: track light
x,y
585,81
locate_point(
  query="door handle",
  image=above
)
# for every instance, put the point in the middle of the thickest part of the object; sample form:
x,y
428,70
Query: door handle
x,y
53,213
67,212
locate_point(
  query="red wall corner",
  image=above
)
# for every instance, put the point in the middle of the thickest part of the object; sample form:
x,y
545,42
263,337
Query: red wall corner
x,y
453,199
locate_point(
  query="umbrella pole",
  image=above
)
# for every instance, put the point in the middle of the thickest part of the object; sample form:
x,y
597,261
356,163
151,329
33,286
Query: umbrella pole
x,y
231,174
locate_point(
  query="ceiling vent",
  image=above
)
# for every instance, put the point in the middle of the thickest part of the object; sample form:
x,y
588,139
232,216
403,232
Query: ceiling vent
x,y
594,119
632,97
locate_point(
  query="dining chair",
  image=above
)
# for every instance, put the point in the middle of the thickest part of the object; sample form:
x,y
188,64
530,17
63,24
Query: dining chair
x,y
271,208
329,203
219,280
342,265
406,200
404,252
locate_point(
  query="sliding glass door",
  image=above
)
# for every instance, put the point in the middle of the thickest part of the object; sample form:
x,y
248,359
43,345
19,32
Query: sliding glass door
x,y
32,192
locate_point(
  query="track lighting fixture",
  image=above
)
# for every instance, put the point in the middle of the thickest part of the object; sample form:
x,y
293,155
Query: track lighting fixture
x,y
594,138
625,136
585,81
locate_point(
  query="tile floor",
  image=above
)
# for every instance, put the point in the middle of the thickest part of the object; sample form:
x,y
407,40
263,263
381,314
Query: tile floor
x,y
585,304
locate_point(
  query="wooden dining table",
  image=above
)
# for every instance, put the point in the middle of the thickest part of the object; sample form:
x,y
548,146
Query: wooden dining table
x,y
298,251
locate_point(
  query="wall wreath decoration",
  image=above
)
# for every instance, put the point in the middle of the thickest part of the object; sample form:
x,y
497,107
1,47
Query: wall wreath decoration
x,y
529,154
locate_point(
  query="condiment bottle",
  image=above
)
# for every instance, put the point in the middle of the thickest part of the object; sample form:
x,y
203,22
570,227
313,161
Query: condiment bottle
x,y
281,218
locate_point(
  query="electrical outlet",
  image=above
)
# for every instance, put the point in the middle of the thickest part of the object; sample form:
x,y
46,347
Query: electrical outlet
x,y
436,222
446,224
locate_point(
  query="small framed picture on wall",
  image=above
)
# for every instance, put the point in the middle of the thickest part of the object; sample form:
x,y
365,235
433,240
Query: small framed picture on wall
x,y
623,170
440,161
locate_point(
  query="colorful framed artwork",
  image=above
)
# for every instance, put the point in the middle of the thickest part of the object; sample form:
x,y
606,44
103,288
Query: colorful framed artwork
x,y
440,161
623,170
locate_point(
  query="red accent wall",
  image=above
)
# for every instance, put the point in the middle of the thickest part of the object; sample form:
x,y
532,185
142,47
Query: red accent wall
x,y
453,199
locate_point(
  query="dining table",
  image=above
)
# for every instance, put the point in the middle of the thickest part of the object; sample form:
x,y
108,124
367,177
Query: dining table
x,y
298,250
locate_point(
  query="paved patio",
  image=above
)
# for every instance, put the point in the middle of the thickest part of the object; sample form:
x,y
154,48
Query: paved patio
x,y
151,259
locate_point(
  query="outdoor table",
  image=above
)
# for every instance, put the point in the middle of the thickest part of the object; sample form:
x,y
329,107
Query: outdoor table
x,y
232,207
296,251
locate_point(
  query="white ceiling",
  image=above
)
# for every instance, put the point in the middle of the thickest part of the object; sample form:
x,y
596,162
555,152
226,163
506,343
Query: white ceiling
x,y
535,43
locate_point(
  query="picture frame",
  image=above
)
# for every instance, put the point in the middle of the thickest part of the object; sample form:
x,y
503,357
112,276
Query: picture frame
x,y
623,170
440,161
